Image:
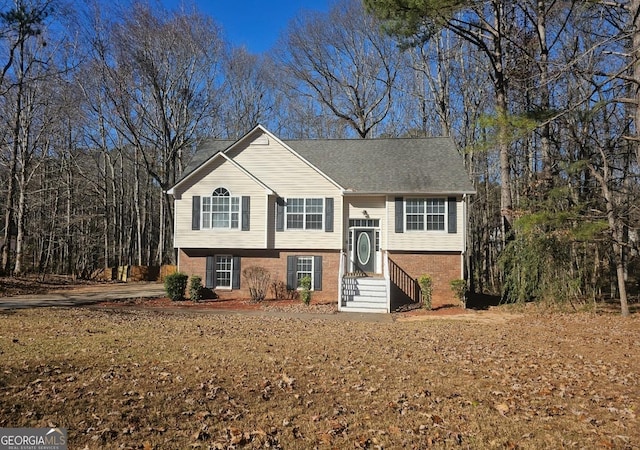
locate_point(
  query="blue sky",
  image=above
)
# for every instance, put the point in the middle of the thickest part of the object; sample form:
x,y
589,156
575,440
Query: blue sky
x,y
253,23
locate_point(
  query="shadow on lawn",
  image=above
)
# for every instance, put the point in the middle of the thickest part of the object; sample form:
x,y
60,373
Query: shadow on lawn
x,y
482,301
479,301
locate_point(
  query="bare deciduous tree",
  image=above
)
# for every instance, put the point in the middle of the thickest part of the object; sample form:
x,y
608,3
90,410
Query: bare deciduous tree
x,y
248,100
163,76
343,62
22,23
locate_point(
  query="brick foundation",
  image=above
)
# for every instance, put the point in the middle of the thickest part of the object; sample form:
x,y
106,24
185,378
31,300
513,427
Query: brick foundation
x,y
442,267
194,261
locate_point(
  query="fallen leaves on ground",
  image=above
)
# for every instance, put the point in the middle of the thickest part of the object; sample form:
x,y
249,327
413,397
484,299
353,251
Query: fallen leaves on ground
x,y
136,379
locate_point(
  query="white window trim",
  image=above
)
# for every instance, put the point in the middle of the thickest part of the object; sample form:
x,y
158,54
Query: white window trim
x,y
424,230
312,270
215,274
231,212
304,214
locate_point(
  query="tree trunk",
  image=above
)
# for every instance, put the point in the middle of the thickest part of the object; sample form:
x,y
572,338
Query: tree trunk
x,y
136,204
634,12
506,202
616,229
17,269
69,257
620,272
545,103
502,113
8,217
161,231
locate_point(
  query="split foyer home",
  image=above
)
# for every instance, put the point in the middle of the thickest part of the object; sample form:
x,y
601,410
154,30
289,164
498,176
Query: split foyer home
x,y
362,217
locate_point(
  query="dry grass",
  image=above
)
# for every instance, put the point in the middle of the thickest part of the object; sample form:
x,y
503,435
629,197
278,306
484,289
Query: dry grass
x,y
154,380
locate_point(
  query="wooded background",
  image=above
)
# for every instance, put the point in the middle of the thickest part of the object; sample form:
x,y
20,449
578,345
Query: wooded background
x,y
102,107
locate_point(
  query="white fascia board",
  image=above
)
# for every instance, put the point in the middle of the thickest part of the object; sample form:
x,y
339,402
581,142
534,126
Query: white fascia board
x,y
193,172
267,189
414,194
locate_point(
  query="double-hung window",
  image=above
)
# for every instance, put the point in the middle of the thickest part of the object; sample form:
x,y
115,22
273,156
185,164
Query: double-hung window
x,y
299,267
221,210
305,213
425,214
304,268
224,271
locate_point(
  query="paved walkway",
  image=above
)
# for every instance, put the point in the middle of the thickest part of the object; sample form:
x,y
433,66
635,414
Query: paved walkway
x,y
82,296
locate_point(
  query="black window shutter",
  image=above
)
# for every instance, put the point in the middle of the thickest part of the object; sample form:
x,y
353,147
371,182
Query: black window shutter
x,y
246,206
279,214
292,265
399,215
317,273
195,213
452,218
210,276
328,214
235,273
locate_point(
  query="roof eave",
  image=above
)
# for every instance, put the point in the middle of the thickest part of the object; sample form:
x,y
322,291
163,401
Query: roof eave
x,y
430,192
194,171
222,155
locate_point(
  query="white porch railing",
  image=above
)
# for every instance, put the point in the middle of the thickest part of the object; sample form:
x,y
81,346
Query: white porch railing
x,y
387,277
341,272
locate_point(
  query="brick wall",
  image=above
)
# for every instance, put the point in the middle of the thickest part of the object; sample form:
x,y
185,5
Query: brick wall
x,y
193,262
442,267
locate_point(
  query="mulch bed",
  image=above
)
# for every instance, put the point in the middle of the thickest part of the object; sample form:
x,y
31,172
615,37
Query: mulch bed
x,y
446,310
226,304
268,305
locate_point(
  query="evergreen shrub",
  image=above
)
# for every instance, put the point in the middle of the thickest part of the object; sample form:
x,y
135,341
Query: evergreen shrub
x,y
426,287
195,288
459,288
175,285
305,292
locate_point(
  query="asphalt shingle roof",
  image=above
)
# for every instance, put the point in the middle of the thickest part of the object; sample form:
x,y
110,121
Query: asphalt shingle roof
x,y
410,165
206,150
396,165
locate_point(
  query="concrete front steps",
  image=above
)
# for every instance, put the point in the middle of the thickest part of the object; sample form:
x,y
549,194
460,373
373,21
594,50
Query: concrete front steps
x,y
364,294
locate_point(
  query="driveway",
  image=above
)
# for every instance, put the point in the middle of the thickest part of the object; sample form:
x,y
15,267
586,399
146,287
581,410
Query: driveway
x,y
82,296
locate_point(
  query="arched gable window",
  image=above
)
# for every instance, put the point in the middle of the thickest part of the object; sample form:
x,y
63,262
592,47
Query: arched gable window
x,y
221,210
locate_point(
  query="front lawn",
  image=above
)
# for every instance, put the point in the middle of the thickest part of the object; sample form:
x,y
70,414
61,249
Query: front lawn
x,y
136,379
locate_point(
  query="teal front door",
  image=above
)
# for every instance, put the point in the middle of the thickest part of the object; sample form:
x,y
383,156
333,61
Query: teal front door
x,y
364,250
